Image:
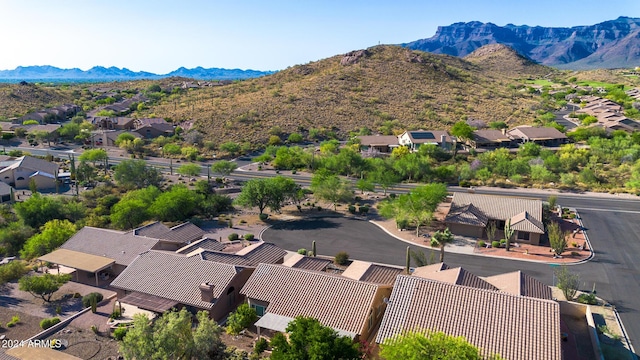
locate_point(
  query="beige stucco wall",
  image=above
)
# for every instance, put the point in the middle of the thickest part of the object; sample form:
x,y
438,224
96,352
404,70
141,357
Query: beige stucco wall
x,y
227,303
466,230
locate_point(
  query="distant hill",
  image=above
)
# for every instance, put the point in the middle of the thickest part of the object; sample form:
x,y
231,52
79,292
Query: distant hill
x,y
610,44
385,88
99,73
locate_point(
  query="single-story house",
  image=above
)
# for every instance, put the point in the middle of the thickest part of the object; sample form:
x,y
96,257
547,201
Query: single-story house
x,y
152,128
490,139
19,172
470,214
109,137
413,139
544,136
512,326
280,293
159,281
99,254
378,143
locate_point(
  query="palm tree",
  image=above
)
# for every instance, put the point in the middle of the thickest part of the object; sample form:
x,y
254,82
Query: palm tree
x,y
442,238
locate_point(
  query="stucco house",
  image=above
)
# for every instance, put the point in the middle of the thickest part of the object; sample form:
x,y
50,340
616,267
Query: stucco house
x,y
543,136
19,172
413,139
470,214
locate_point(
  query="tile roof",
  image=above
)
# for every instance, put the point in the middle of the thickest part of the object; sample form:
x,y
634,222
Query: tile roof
x,y
369,140
183,233
377,274
519,283
536,133
336,301
121,246
34,164
424,271
499,208
457,276
467,214
515,327
430,136
307,262
204,244
175,277
252,255
489,135
525,222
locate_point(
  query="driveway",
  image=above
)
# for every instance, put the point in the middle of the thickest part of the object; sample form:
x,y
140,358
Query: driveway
x,y
615,236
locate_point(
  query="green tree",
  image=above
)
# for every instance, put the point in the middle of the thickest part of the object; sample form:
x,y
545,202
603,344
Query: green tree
x,y
38,209
13,237
224,167
442,238
173,336
242,318
133,208
179,203
414,345
329,187
417,206
295,138
230,147
124,137
557,238
189,152
567,282
43,286
69,131
136,174
270,192
171,149
189,170
308,339
52,235
94,156
462,130
12,271
365,185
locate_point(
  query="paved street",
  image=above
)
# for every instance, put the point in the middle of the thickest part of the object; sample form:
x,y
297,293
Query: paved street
x,y
615,237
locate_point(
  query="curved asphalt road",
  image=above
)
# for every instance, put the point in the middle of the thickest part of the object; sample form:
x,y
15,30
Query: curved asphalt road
x,y
613,269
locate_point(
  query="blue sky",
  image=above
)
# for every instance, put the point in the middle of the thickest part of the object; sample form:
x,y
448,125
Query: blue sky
x,y
160,36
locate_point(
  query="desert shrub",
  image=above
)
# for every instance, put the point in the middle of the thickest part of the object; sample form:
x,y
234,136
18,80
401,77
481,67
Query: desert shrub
x,y
302,251
47,323
86,300
503,242
77,295
261,345
249,237
342,258
240,319
481,243
363,209
263,216
434,243
233,237
14,321
495,244
12,271
115,314
589,299
402,223
119,333
352,209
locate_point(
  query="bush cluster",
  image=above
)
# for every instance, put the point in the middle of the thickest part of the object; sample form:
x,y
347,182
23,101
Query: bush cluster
x,y
86,300
47,323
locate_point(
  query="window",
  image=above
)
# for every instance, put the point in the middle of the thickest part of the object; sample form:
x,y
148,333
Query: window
x,y
20,178
523,236
260,310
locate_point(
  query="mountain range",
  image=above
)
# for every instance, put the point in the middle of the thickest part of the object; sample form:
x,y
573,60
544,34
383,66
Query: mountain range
x,y
99,73
610,44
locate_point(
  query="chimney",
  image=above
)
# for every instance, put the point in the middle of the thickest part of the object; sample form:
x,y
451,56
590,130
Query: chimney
x,y
443,141
504,131
206,292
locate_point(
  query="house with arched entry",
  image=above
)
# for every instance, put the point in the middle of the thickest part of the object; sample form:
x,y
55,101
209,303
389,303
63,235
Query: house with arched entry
x,y
19,172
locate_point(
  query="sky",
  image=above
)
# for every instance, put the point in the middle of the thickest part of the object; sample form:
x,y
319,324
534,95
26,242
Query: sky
x,y
160,36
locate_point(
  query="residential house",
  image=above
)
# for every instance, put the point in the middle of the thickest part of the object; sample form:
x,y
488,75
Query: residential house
x,y
490,139
307,262
19,172
252,255
108,138
152,128
513,326
112,123
40,116
543,136
383,144
173,238
470,214
280,293
99,254
6,192
159,281
413,139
